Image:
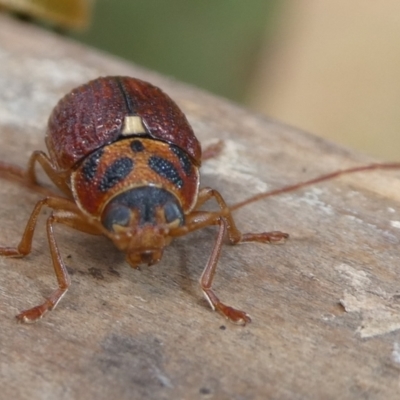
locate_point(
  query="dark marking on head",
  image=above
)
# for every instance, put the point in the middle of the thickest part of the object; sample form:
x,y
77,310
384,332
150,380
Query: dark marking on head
x,y
115,173
137,146
184,159
166,169
172,212
116,214
90,164
145,201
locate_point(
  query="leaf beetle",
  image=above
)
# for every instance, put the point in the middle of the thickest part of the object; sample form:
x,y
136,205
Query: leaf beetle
x,y
127,161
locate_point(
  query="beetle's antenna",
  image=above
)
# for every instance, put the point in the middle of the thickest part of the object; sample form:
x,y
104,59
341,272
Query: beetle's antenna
x,y
17,174
319,179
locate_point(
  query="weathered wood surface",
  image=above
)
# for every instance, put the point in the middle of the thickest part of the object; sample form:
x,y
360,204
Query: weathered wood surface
x,y
325,305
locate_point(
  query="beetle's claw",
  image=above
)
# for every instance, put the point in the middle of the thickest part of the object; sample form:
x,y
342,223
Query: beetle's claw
x,y
31,315
238,317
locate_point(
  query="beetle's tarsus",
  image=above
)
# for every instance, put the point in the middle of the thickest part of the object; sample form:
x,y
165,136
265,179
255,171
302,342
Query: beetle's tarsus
x,y
32,315
238,317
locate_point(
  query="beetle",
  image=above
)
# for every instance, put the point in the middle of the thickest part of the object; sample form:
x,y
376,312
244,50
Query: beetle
x,y
127,161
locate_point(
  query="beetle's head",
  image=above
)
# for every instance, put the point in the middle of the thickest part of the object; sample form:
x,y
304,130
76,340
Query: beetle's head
x,y
139,220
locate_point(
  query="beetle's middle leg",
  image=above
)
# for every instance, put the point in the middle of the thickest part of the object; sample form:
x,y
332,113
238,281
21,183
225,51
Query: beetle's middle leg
x,y
58,178
234,235
213,150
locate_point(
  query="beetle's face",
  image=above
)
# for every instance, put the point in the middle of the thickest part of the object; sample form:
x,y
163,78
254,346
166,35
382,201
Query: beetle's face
x,y
142,244
139,222
147,246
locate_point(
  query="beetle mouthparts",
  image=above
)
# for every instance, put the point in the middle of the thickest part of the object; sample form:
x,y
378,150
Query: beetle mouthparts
x,y
147,257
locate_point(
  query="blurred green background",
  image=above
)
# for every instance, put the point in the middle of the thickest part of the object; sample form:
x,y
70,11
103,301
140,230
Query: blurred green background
x,y
211,43
328,67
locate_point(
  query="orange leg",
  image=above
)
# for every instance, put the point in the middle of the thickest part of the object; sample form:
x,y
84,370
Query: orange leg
x,y
207,277
234,235
58,178
197,220
213,150
65,213
18,174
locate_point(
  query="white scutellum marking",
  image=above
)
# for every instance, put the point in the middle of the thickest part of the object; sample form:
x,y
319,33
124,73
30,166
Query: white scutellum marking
x,y
133,125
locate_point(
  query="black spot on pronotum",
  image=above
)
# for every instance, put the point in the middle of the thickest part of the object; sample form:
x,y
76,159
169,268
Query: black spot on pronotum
x,y
166,169
184,159
91,164
115,173
137,146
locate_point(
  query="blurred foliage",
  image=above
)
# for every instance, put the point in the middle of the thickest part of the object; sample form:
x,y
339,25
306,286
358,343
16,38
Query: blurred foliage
x,y
57,13
211,43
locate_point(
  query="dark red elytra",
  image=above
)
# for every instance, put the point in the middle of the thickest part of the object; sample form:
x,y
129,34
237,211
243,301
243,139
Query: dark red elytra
x,y
127,162
93,115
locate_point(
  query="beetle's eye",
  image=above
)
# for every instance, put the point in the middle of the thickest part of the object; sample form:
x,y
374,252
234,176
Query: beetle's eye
x,y
116,214
173,213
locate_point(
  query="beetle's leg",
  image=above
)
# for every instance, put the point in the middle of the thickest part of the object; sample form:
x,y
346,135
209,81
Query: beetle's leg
x,y
207,277
213,150
234,235
12,170
75,221
63,279
25,245
200,219
65,213
18,174
58,178
197,220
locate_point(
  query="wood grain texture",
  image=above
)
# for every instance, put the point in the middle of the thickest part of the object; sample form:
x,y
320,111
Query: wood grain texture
x,y
325,305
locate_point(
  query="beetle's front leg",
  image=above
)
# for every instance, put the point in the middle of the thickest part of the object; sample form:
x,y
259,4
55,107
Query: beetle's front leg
x,y
25,245
63,280
199,220
65,213
207,277
227,227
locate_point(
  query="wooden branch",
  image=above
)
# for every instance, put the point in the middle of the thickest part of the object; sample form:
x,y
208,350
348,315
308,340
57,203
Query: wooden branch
x,y
325,305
